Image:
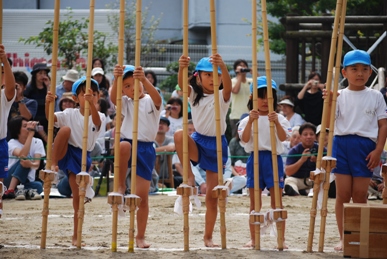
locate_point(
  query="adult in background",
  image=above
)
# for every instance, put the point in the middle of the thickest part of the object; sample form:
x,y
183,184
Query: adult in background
x,y
174,112
98,74
287,106
69,78
240,93
22,106
310,99
37,90
298,168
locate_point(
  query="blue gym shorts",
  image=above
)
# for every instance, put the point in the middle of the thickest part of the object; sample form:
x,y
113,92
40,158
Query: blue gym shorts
x,y
72,161
3,158
146,157
266,174
208,153
351,152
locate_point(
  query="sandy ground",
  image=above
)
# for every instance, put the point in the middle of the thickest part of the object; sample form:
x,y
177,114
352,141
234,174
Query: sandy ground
x,y
21,231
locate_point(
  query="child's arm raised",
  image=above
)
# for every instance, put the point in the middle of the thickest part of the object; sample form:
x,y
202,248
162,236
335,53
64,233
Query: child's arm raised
x,y
253,115
217,60
93,110
273,116
49,98
153,93
118,71
183,62
9,79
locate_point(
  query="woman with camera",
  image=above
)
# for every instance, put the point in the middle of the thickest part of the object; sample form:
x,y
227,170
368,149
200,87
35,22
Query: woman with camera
x,y
174,112
310,100
25,152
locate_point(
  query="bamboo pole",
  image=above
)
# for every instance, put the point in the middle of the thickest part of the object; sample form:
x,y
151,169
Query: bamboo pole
x,y
185,130
47,175
319,177
83,180
282,213
330,163
115,199
132,208
257,200
222,195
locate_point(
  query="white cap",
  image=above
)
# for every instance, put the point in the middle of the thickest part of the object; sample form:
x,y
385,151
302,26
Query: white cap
x,y
287,101
97,70
318,129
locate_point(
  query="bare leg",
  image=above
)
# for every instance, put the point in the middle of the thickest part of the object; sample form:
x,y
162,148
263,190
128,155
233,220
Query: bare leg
x,y
75,190
212,209
14,182
125,154
143,211
59,148
343,195
1,199
192,151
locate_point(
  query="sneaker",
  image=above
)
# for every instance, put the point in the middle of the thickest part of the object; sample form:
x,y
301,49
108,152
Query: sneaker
x,y
9,194
290,191
372,197
20,194
310,194
32,194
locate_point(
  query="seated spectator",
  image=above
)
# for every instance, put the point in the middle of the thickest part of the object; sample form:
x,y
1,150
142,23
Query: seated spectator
x,y
177,93
102,107
163,143
298,168
287,106
318,130
310,100
174,112
66,101
153,79
238,154
292,142
22,169
98,75
71,76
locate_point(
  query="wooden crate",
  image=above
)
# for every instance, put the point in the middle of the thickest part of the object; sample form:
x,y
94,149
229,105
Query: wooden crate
x,y
365,230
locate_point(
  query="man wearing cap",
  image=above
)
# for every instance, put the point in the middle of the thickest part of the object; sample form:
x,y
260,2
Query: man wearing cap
x,y
287,106
240,93
65,87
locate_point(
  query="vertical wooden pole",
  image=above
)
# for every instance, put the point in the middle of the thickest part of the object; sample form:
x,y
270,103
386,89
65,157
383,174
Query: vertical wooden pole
x,y
135,125
278,194
330,164
319,178
82,180
257,201
186,163
221,198
1,82
115,200
47,175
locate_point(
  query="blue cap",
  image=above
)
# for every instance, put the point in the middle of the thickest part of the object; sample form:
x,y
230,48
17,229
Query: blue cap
x,y
205,65
127,69
81,81
262,83
356,57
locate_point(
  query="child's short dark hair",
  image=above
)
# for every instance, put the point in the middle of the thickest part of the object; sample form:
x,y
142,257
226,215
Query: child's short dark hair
x,y
21,78
307,125
127,75
262,93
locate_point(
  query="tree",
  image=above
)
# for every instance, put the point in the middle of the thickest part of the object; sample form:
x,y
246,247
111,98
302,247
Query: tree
x,y
73,41
170,82
148,28
281,8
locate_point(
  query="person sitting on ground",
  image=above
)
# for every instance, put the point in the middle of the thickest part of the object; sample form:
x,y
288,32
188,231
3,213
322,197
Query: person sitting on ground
x,y
71,76
26,152
287,106
298,168
174,113
291,142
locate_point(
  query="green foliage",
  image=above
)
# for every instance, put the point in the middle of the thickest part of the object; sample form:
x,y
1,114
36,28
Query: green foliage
x,y
170,82
149,26
73,41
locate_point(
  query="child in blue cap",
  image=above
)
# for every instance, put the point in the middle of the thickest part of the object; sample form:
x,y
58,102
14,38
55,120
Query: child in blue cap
x,y
245,131
67,148
202,143
359,135
148,124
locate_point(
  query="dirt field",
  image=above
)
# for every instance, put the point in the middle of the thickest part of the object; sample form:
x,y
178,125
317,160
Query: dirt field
x,y
21,231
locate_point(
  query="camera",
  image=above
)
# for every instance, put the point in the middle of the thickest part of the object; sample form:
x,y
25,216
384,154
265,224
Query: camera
x,y
315,82
313,151
245,70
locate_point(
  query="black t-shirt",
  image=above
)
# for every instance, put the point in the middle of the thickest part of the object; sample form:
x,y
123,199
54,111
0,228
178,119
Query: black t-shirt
x,y
312,107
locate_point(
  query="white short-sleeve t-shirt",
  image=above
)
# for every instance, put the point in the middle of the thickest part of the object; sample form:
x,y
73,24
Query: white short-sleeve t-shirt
x,y
4,112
